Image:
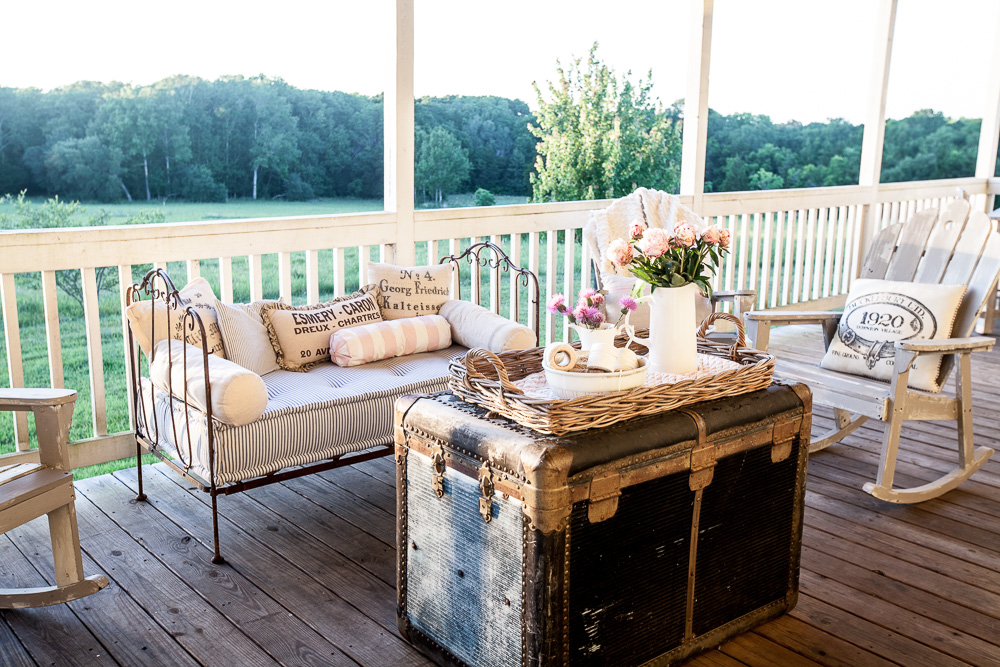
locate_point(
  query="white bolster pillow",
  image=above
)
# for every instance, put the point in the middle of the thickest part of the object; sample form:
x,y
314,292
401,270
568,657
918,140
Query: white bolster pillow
x,y
474,326
239,396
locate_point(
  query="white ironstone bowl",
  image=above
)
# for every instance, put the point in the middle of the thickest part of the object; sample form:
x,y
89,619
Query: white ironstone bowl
x,y
565,384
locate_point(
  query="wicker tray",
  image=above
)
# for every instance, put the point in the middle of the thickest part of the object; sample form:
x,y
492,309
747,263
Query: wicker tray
x,y
486,379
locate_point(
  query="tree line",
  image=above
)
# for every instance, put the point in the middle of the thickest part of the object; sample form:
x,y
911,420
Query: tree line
x,y
246,137
595,135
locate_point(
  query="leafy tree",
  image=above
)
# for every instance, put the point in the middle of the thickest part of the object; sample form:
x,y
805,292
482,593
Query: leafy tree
x,y
442,164
483,197
274,143
601,137
130,121
85,169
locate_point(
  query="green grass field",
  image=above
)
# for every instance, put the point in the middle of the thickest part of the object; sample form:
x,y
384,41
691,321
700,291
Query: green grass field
x,y
73,337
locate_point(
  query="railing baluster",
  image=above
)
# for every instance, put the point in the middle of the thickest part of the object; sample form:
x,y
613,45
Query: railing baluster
x,y
730,270
95,357
742,276
454,248
775,257
256,278
193,269
124,282
533,250
808,267
364,256
285,276
817,270
12,339
515,291
838,259
764,220
226,279
312,276
339,264
830,239
495,281
51,305
569,261
552,282
788,268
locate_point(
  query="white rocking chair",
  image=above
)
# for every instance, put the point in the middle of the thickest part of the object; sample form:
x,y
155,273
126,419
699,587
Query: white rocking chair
x,y
951,248
29,490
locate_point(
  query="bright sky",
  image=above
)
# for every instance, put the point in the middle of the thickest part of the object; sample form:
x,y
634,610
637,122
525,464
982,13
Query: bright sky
x,y
791,59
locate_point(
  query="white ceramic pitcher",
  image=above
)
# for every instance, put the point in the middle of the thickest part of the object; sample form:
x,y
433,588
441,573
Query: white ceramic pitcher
x,y
672,330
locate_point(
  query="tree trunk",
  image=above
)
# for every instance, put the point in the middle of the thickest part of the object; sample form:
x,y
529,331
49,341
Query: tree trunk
x,y
255,182
145,169
127,193
168,171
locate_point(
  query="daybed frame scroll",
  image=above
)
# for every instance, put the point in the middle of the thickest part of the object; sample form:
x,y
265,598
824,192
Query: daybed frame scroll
x,y
490,255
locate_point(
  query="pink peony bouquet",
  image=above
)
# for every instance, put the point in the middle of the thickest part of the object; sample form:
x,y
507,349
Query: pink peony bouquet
x,y
587,312
671,258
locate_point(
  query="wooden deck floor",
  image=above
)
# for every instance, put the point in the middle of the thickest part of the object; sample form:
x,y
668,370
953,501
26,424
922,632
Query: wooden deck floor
x,y
311,575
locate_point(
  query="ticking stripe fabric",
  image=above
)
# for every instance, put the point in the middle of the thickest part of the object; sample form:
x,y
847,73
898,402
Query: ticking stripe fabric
x,y
393,338
320,414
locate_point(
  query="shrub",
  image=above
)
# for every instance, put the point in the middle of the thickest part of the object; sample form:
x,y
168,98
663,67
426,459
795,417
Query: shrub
x,y
298,189
483,197
199,185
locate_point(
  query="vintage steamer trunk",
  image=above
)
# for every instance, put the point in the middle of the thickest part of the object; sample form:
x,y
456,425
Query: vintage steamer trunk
x,y
641,543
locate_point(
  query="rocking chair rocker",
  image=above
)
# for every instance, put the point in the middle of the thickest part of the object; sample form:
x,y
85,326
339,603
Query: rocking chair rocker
x,y
951,248
29,490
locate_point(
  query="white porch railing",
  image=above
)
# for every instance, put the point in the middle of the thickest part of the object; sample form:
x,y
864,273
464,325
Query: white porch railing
x,y
797,248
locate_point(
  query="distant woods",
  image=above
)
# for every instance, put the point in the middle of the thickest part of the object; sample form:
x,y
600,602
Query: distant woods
x,y
203,140
238,137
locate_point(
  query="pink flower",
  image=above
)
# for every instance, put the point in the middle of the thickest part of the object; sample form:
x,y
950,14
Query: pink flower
x,y
712,236
597,298
655,242
628,303
724,238
588,316
636,229
586,293
556,304
684,235
620,252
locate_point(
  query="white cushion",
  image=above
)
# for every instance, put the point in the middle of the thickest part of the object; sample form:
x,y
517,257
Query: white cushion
x,y
474,326
879,313
300,336
245,337
239,396
199,296
412,290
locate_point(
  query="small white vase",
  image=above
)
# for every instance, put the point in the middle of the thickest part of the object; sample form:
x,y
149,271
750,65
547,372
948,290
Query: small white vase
x,y
589,337
672,341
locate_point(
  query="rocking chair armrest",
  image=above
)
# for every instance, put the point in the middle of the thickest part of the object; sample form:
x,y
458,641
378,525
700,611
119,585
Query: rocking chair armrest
x,y
730,294
947,345
27,399
759,323
793,316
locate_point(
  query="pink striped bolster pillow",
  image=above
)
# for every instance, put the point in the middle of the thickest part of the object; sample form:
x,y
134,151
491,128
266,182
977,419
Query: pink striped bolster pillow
x,y
354,346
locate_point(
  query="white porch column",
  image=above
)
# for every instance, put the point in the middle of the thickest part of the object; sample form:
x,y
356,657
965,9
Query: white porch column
x,y
874,133
695,135
989,133
398,133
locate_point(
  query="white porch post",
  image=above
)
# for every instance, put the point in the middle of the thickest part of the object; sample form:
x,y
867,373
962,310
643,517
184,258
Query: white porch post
x,y
695,135
989,133
398,133
874,134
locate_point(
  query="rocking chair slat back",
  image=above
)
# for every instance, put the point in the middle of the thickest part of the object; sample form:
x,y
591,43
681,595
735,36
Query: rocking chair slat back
x,y
980,284
968,249
941,243
880,253
911,245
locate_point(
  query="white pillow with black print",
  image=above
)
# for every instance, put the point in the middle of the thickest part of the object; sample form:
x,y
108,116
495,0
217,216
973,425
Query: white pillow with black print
x,y
881,312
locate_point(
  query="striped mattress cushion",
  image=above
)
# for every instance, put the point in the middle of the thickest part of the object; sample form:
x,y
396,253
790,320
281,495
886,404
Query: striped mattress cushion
x,y
355,346
320,414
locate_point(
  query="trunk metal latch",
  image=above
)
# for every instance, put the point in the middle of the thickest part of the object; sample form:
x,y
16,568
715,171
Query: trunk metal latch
x,y
438,465
487,487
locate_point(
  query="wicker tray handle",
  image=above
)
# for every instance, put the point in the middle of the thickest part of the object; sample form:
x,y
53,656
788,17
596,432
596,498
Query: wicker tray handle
x,y
741,336
473,373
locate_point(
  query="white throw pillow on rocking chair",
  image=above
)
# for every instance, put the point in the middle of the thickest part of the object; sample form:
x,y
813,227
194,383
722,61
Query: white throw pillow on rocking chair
x,y
879,313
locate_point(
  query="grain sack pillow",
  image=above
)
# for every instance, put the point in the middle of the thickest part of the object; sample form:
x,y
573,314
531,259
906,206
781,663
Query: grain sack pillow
x,y
410,291
197,295
300,336
474,326
245,337
394,338
879,313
